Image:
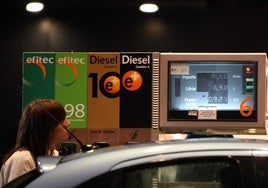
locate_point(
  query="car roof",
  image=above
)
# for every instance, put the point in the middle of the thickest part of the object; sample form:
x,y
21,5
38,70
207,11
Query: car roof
x,y
111,158
169,146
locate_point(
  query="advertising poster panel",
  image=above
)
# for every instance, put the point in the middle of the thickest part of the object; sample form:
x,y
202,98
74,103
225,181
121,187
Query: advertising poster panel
x,y
135,96
103,97
71,86
38,76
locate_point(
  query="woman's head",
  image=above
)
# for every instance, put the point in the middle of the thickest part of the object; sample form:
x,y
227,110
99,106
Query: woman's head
x,y
39,122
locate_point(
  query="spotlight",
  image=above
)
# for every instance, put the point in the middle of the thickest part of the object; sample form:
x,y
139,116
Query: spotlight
x,y
34,7
148,8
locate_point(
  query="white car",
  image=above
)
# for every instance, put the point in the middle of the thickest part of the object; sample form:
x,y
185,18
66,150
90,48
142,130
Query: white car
x,y
191,163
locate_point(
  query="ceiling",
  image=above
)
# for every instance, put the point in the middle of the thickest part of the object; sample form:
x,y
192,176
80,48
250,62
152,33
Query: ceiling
x,y
128,8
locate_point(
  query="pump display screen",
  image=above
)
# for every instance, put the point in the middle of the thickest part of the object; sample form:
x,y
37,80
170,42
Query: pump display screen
x,y
212,90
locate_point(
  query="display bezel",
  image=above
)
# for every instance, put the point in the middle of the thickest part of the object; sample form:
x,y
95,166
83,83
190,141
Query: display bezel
x,y
222,122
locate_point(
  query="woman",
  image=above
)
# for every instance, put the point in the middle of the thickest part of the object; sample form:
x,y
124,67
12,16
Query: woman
x,y
42,127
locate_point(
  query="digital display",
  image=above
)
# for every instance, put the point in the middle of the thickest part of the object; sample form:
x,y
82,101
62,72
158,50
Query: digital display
x,y
211,91
216,90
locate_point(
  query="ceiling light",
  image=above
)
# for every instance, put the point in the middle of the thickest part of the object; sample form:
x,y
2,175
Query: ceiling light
x,y
34,7
148,7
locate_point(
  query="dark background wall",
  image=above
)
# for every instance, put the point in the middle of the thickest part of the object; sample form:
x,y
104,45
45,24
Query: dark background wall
x,y
100,25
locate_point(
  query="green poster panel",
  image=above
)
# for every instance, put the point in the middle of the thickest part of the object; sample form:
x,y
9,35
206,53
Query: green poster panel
x,y
71,86
38,76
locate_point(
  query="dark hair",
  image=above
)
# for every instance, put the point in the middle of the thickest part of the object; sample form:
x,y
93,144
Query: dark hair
x,y
36,126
